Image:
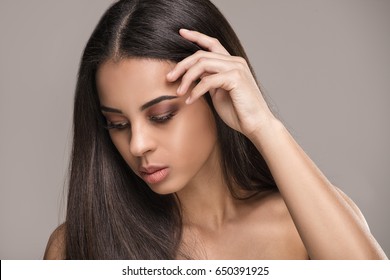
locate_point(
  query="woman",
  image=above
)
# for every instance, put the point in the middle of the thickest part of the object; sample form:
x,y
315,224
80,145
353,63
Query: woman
x,y
176,155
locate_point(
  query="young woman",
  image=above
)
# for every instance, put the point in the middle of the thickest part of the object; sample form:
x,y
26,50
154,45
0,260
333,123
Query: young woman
x,y
176,155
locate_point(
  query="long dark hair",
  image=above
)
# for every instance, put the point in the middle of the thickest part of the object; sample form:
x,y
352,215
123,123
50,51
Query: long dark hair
x,y
112,213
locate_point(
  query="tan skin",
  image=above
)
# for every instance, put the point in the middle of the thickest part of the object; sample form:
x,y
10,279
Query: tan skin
x,y
321,224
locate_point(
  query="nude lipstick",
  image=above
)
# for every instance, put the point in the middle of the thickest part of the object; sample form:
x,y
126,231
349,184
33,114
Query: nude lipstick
x,y
154,174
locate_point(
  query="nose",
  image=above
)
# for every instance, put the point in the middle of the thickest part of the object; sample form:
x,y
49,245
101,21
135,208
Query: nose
x,y
141,141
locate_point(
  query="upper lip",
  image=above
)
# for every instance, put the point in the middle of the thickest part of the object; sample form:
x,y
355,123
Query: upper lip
x,y
150,169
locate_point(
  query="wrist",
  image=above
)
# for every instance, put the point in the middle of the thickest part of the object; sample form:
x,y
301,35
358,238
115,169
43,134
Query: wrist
x,y
264,126
266,131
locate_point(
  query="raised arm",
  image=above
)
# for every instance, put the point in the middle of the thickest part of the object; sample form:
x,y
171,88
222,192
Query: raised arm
x,y
329,223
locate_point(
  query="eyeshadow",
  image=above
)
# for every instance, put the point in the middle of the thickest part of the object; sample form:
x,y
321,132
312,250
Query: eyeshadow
x,y
160,109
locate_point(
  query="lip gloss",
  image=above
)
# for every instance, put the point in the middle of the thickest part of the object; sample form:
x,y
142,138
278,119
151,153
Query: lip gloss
x,y
155,177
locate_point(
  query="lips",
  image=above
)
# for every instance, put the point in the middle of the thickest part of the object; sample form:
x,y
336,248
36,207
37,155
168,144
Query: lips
x,y
154,174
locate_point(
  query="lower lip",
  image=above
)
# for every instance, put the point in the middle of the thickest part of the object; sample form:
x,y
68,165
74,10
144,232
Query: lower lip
x,y
155,177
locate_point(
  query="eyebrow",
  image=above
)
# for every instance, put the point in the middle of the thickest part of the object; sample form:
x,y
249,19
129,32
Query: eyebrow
x,y
157,100
143,107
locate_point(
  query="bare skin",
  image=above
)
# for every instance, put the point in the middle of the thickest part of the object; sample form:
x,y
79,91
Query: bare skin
x,y
55,249
321,224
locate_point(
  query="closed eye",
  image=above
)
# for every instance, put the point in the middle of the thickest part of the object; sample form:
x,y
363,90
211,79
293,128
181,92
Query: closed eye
x,y
159,119
162,118
119,125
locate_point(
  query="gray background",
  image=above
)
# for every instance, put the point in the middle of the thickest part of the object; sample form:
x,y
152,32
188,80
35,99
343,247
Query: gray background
x,y
325,66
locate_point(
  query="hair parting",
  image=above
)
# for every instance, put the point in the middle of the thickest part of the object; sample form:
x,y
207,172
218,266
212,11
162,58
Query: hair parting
x,y
112,213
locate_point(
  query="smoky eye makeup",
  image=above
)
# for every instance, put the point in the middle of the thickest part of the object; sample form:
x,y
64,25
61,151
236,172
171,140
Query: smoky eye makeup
x,y
112,125
114,122
159,113
162,113
120,124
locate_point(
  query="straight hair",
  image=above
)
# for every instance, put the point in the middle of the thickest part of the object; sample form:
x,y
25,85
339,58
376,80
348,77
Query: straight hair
x,y
111,212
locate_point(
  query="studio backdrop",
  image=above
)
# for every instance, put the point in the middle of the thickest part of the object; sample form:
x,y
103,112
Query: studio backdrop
x,y
324,67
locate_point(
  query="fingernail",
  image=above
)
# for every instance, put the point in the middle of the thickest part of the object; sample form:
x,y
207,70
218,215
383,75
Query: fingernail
x,y
188,100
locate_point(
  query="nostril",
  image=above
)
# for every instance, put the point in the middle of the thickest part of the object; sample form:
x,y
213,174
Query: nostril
x,y
140,143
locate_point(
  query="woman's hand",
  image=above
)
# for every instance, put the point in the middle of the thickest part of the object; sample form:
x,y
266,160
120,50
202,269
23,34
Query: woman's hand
x,y
328,222
228,79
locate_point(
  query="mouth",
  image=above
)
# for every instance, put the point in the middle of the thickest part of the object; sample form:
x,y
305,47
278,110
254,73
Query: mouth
x,y
153,175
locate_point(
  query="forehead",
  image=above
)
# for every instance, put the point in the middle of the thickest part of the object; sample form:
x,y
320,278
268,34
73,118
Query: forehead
x,y
137,77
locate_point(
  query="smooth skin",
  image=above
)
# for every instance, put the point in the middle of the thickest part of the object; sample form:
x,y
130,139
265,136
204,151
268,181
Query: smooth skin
x,y
308,218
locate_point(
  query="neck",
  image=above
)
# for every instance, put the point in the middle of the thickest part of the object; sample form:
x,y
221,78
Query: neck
x,y
206,201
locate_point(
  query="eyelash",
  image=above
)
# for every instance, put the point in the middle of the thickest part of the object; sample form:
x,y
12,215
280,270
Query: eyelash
x,y
157,119
119,126
161,119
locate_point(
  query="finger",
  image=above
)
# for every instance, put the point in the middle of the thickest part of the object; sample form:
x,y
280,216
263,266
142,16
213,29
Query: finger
x,y
204,67
215,81
204,41
181,67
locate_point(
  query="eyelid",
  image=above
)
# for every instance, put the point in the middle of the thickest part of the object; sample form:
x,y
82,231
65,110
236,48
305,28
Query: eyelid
x,y
116,125
162,118
162,114
162,109
154,116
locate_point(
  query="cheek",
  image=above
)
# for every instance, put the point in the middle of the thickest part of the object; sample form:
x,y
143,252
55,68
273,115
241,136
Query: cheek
x,y
195,135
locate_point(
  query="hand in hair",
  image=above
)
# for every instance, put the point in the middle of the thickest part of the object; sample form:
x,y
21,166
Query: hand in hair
x,y
228,79
329,223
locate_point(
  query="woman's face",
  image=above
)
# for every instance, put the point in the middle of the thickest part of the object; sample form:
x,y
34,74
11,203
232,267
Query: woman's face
x,y
166,142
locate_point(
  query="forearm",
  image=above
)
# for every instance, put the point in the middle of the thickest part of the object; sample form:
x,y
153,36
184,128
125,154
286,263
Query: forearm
x,y
328,226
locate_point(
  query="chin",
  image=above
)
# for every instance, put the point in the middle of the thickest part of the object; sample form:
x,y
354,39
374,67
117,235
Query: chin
x,y
165,188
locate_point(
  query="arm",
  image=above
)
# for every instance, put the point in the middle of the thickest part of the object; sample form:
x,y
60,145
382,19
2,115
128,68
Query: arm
x,y
329,223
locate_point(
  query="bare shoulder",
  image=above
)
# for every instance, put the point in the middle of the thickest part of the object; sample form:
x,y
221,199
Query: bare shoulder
x,y
277,228
55,249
